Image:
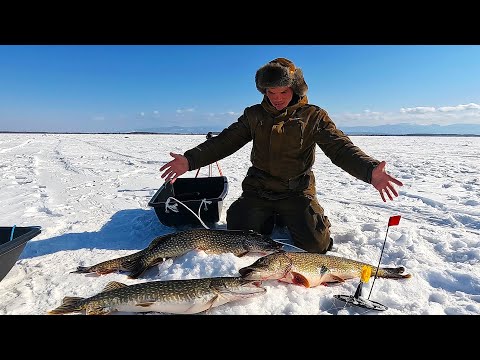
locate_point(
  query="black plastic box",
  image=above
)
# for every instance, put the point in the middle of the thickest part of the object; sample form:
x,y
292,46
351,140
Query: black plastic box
x,y
10,250
192,192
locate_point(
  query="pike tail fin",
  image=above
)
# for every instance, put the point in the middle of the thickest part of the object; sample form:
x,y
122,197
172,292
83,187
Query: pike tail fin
x,y
69,304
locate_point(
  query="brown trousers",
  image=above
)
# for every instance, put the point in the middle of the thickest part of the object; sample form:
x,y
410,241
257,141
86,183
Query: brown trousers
x,y
303,217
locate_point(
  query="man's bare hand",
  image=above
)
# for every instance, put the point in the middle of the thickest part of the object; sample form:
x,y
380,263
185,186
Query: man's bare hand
x,y
383,182
175,168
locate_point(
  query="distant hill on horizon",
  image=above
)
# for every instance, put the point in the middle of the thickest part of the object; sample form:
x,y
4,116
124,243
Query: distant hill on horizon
x,y
385,130
393,129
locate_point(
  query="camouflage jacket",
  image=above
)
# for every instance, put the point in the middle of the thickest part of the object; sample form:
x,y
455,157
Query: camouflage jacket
x,y
283,149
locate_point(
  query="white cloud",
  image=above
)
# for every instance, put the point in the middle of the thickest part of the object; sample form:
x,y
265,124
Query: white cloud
x,y
233,113
463,107
182,111
421,115
418,110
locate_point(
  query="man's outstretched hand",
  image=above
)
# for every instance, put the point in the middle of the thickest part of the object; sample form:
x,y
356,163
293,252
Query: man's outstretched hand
x,y
175,168
383,182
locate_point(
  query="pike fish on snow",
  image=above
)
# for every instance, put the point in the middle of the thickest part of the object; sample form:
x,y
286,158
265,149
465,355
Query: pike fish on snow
x,y
168,246
89,193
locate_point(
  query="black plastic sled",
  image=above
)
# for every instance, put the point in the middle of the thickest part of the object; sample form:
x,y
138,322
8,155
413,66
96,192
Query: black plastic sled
x,y
12,243
203,196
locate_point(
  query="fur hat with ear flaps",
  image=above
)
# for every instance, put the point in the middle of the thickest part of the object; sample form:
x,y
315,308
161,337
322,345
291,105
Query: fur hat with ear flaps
x,y
281,72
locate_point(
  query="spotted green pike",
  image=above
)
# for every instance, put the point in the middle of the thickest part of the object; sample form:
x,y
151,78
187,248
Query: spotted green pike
x,y
312,269
214,241
188,296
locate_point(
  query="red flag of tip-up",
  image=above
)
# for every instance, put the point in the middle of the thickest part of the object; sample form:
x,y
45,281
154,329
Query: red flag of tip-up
x,y
394,220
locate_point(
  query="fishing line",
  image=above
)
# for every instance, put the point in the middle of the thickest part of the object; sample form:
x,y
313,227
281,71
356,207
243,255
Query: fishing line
x,y
167,206
280,242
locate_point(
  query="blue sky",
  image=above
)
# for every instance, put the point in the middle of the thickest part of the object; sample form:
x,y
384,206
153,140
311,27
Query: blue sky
x,y
110,88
